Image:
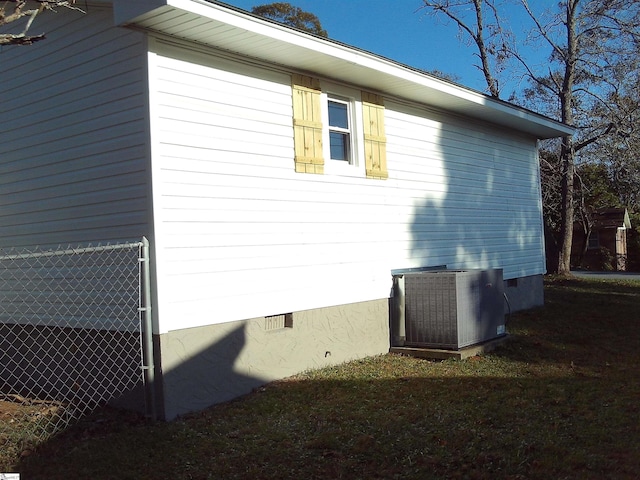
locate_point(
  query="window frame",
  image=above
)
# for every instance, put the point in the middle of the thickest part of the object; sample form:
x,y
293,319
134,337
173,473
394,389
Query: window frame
x,y
344,132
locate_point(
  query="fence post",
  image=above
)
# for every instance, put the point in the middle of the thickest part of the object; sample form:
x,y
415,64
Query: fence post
x,y
147,331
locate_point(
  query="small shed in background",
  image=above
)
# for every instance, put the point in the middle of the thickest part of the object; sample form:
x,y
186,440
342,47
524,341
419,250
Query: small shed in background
x,y
605,248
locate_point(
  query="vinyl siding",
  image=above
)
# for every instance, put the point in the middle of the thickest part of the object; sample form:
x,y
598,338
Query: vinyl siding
x,y
240,234
74,158
474,192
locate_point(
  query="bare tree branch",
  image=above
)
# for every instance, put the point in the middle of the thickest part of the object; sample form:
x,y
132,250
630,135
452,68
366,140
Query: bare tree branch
x,y
18,11
476,32
542,30
585,143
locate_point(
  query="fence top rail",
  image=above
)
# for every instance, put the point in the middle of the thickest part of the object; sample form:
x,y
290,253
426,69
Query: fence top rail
x,y
69,251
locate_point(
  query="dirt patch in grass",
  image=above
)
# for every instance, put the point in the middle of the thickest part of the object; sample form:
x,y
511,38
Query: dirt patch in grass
x,y
559,400
8,410
24,425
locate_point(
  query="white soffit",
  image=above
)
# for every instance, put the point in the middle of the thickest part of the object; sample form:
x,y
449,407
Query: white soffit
x,y
234,30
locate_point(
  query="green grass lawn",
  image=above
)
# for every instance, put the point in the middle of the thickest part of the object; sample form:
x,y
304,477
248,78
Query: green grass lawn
x,y
560,399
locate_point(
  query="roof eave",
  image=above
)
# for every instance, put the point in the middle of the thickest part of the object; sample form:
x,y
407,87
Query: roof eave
x,y
227,28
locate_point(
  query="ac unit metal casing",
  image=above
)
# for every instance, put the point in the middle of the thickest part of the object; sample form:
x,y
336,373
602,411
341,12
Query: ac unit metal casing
x,y
452,309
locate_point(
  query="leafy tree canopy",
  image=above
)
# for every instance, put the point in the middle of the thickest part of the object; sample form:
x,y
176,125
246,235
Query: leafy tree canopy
x,y
289,15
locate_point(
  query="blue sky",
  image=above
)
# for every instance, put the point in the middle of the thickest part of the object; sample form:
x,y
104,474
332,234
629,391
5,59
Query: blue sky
x,y
399,30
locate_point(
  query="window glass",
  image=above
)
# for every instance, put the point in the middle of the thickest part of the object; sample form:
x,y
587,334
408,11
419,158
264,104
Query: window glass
x,y
339,144
338,114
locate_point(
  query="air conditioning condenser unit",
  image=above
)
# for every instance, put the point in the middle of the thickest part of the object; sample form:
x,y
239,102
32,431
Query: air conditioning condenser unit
x,y
453,309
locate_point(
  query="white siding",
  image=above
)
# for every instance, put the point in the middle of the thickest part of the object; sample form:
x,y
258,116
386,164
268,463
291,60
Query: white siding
x,y
240,234
74,131
473,191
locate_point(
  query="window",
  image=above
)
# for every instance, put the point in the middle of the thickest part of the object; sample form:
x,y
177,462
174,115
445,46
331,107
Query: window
x,y
594,241
337,129
342,133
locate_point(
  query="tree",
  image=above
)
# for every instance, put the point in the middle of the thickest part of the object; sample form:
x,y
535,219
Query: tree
x,y
593,46
289,15
15,10
551,179
620,152
608,174
485,32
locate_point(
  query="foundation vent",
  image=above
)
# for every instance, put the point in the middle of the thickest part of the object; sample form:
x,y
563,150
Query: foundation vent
x,y
278,322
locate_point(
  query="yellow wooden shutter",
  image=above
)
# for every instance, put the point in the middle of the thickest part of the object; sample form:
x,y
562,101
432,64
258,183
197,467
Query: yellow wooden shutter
x,y
307,124
375,142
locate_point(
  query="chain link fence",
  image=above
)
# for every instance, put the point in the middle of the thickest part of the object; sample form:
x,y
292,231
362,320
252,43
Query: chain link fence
x,y
73,325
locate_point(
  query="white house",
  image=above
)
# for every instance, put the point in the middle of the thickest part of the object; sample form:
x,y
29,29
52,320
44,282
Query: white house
x,y
280,177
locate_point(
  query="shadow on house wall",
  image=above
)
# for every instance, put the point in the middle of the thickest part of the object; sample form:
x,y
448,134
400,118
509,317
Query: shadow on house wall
x,y
197,372
487,216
